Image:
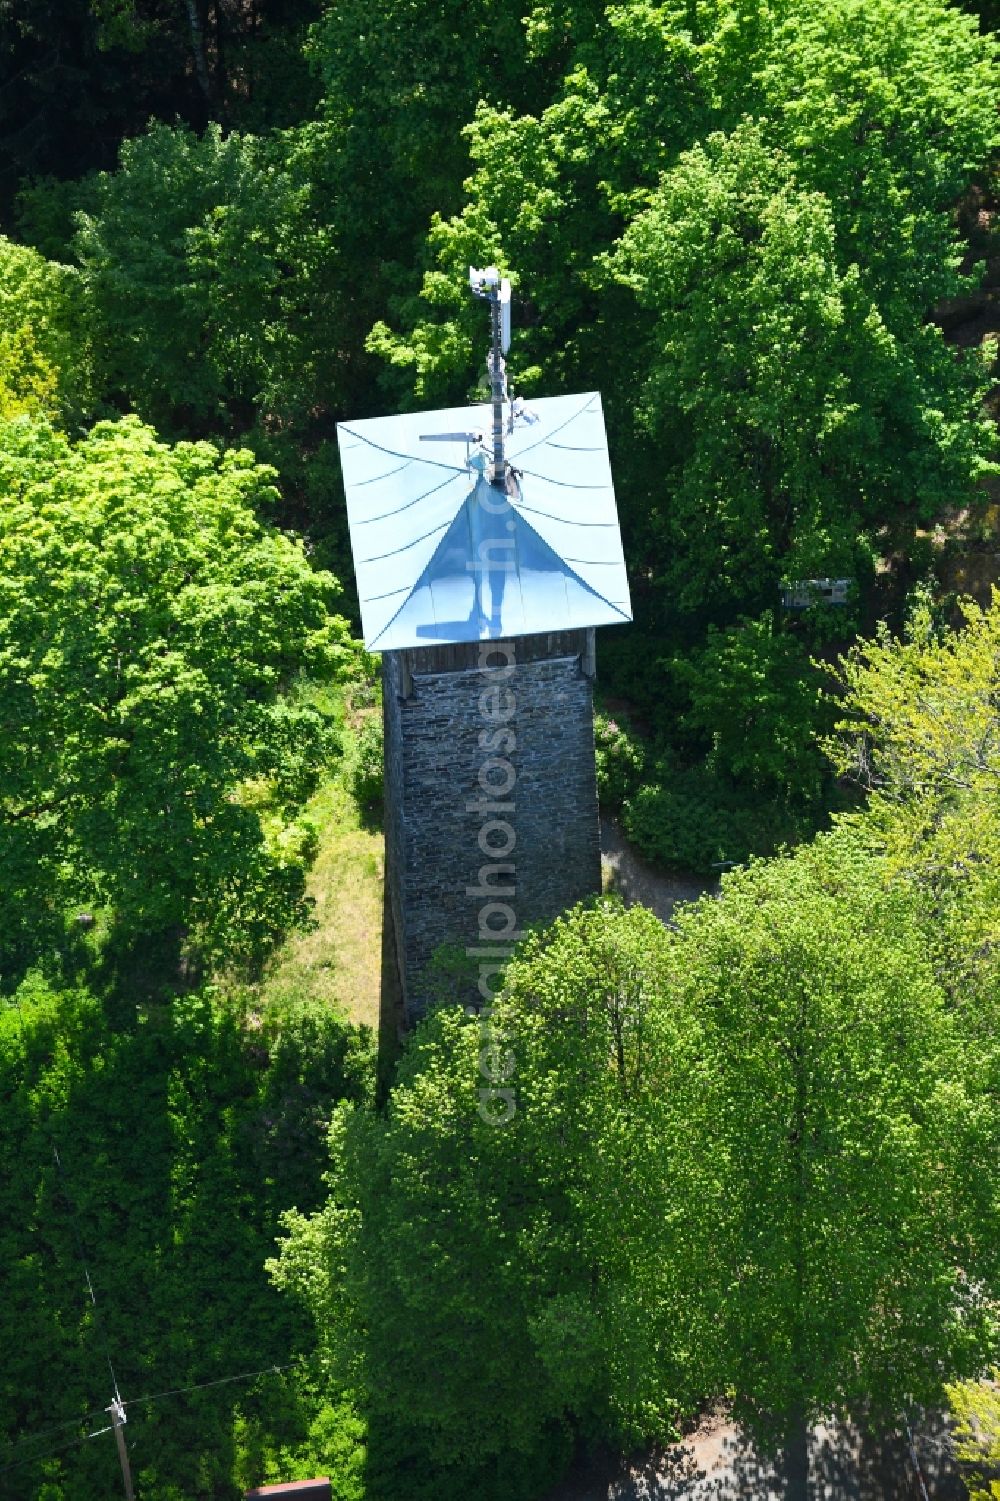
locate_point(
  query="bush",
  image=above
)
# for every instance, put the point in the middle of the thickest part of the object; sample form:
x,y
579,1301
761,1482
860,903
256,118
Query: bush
x,y
620,757
758,700
690,820
366,777
302,1435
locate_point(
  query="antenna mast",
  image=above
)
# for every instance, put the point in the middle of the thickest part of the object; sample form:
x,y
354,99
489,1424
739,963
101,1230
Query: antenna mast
x,y
488,284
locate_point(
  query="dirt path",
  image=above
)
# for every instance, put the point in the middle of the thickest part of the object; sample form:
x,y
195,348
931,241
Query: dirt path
x,y
636,880
719,1463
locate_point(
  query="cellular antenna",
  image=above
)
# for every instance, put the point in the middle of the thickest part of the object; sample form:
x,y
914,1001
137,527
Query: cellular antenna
x,y
488,284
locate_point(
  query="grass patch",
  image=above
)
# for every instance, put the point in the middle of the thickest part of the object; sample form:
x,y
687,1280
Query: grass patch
x,y
338,960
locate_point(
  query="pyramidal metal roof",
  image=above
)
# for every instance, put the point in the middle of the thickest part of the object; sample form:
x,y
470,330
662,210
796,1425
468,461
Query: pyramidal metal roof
x,y
441,555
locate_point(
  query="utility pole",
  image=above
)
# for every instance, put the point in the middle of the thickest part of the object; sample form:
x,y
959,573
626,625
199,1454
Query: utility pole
x,y
118,1420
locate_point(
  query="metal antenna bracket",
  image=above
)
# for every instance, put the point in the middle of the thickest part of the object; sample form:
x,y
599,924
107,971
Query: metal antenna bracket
x,y
489,284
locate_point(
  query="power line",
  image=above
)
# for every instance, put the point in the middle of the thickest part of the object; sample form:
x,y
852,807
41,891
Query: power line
x,y
117,1408
72,1443
98,1321
32,1438
132,1402
201,1385
916,1461
155,1396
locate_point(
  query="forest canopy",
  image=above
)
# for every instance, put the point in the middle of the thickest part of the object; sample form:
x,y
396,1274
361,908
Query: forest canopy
x,y
754,1153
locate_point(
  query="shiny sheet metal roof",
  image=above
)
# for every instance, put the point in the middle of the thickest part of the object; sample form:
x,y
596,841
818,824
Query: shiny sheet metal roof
x,y
443,556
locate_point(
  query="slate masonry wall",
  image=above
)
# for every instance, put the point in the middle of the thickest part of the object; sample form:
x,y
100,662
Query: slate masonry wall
x,y
439,732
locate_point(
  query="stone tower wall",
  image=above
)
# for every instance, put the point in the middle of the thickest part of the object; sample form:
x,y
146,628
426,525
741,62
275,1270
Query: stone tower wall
x,y
458,725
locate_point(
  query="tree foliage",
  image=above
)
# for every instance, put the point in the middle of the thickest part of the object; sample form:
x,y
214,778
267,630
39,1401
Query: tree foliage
x,y
737,222
794,423
857,1123
922,714
758,706
886,109
151,626
484,1284
398,84
210,283
44,354
77,79
920,732
747,1157
753,1155
975,1408
180,1131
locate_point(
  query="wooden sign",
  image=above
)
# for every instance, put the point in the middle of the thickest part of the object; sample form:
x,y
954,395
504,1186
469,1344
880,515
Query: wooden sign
x,y
802,593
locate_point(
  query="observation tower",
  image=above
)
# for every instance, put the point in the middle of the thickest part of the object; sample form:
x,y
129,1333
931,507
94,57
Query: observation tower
x,y
487,550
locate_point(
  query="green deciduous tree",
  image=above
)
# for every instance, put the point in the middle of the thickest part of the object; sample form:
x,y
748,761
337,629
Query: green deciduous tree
x,y
757,1155
399,81
791,421
920,732
150,629
44,354
975,1408
859,1135
922,709
210,281
759,707
737,221
486,1283
886,109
